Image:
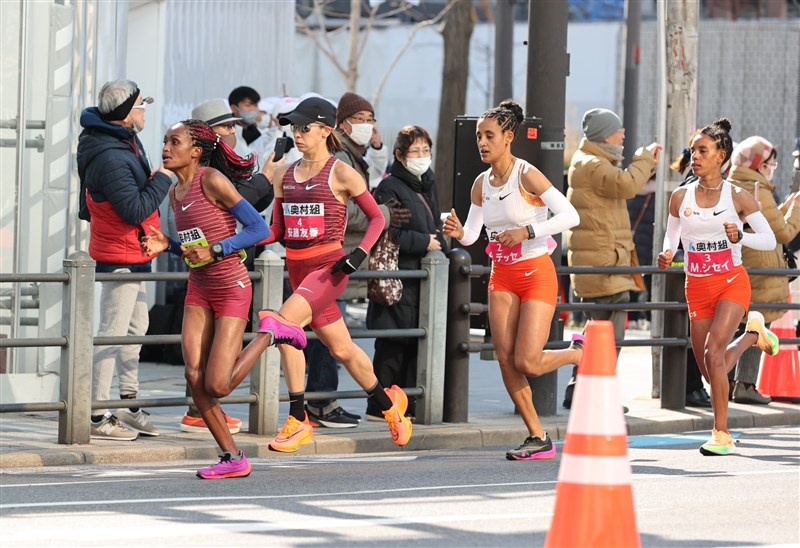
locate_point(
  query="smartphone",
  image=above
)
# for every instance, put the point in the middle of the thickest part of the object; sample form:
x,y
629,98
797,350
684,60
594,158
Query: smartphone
x,y
280,148
283,145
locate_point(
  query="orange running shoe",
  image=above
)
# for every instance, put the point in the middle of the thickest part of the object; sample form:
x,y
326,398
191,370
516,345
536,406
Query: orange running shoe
x,y
399,424
293,434
197,424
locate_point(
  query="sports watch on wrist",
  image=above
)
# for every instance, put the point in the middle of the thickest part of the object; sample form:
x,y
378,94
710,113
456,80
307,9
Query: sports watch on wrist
x,y
217,252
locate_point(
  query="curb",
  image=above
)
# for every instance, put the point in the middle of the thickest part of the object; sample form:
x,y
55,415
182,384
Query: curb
x,y
507,431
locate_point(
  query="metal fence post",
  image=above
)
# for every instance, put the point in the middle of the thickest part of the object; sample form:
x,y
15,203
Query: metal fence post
x,y
77,325
456,365
673,365
544,387
266,374
431,348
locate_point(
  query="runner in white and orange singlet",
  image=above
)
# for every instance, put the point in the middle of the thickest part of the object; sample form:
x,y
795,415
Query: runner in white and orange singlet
x,y
512,199
707,217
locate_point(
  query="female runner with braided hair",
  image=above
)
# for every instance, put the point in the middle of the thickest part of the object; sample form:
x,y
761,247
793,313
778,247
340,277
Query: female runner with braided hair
x,y
707,216
219,292
512,199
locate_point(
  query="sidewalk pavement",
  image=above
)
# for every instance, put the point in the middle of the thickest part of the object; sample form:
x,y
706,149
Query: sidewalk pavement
x,y
30,439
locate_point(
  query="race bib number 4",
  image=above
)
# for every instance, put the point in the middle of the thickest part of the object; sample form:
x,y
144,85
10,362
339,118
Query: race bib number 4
x,y
304,221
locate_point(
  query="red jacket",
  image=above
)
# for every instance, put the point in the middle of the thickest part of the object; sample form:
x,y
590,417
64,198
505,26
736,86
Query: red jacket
x,y
113,240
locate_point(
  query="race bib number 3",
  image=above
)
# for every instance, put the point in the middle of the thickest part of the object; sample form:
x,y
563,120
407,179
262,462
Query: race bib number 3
x,y
501,254
304,221
709,262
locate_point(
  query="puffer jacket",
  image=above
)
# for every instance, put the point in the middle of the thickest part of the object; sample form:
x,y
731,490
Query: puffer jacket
x,y
598,189
123,198
785,223
412,238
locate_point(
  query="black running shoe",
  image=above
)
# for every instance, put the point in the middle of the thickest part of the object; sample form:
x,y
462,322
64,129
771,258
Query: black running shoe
x,y
334,418
533,448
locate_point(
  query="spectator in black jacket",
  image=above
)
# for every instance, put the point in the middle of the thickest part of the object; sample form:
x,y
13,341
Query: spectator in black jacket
x,y
411,184
120,195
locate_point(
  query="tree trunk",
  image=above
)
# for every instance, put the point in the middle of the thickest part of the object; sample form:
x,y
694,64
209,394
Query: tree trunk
x,y
457,33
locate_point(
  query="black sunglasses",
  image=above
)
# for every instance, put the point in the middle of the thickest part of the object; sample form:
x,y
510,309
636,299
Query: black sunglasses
x,y
304,128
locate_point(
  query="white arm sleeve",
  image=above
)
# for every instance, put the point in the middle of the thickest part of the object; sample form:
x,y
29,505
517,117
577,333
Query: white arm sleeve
x,y
672,238
473,226
764,238
565,215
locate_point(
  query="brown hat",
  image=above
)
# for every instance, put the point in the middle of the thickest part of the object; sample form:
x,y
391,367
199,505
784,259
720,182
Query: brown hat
x,y
349,104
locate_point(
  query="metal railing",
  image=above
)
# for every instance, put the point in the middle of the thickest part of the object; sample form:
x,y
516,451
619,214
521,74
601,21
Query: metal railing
x,y
75,404
674,337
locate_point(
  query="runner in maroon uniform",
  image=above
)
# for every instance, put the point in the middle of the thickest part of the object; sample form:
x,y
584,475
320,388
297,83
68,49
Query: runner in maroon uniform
x,y
310,216
219,293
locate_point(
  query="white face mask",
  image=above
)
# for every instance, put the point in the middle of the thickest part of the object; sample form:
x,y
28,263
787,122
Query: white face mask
x,y
361,133
418,166
770,171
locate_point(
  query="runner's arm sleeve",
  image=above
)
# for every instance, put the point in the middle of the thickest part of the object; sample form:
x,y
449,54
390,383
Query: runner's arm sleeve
x,y
277,228
377,222
763,239
565,216
472,227
253,228
672,238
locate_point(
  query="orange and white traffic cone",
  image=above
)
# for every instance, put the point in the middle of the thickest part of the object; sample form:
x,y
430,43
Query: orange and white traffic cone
x,y
780,374
594,498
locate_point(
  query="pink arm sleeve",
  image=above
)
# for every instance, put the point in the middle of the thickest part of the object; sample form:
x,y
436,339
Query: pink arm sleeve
x,y
276,229
376,223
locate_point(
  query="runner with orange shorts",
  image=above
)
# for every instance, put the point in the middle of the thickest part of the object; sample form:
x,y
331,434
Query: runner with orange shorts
x,y
706,216
512,200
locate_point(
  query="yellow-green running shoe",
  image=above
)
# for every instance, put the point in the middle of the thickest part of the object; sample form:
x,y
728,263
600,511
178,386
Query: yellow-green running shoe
x,y
720,443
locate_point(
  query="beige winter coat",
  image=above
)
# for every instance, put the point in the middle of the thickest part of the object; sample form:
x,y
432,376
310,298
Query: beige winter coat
x,y
785,223
598,190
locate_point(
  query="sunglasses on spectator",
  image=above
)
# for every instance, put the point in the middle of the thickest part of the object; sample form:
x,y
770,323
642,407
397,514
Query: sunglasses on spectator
x,y
227,125
146,101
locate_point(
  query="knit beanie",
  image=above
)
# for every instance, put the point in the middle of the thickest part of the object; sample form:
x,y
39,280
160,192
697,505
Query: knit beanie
x,y
349,104
599,124
751,153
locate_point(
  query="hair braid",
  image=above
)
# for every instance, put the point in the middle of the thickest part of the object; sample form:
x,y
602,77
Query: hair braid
x,y
719,132
217,153
508,114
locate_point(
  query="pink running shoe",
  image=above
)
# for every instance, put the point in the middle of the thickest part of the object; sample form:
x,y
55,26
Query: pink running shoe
x,y
282,330
227,467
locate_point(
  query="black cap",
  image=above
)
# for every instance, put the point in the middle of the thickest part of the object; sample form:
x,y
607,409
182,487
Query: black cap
x,y
313,109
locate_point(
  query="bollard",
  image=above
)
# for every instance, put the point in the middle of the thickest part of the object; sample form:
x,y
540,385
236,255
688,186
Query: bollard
x,y
673,364
77,325
431,351
265,376
456,364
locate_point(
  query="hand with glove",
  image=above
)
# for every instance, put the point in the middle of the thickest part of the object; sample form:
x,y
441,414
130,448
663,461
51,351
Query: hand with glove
x,y
350,262
398,216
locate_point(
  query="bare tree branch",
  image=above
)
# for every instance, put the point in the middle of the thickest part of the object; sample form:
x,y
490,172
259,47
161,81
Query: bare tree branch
x,y
422,24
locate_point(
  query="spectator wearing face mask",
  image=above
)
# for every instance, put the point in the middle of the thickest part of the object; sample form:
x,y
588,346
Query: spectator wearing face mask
x,y
753,164
244,104
411,183
363,150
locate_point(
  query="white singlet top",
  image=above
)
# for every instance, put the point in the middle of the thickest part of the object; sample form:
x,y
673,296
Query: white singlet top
x,y
707,249
511,206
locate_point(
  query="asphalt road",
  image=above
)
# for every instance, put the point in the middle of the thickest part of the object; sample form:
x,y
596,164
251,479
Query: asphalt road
x,y
440,498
